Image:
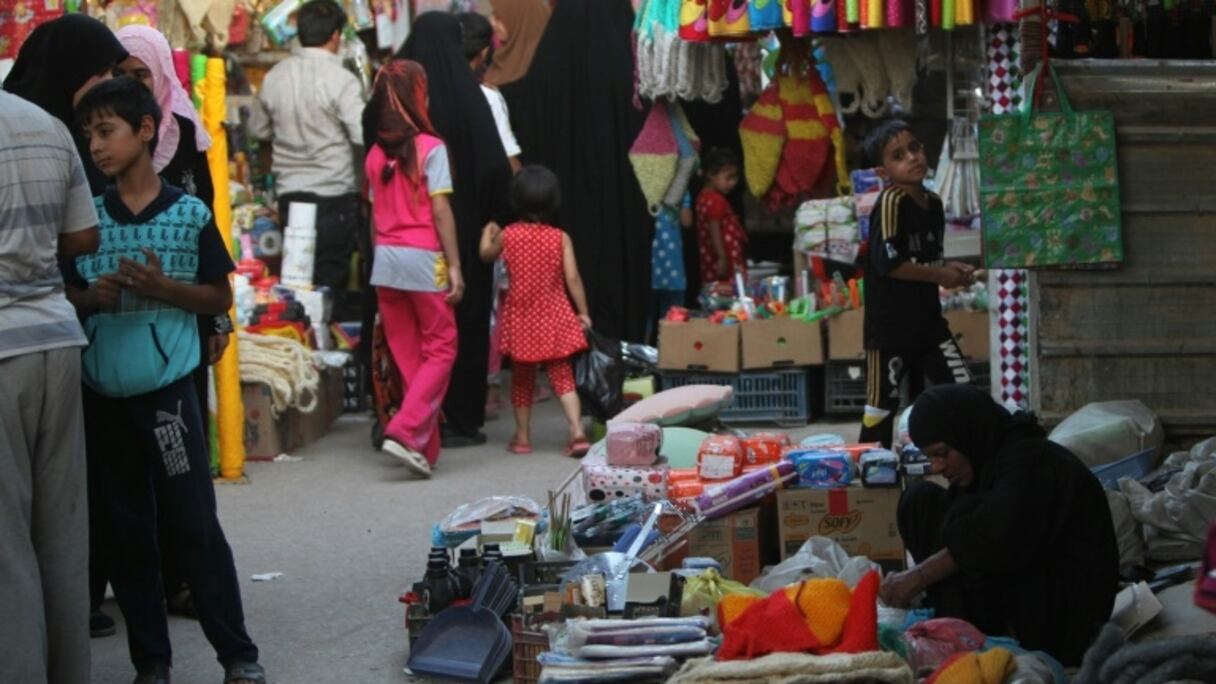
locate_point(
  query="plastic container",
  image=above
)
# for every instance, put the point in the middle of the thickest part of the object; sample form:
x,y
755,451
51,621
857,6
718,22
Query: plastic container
x,y
633,444
845,388
778,396
822,469
720,458
880,468
764,448
1135,466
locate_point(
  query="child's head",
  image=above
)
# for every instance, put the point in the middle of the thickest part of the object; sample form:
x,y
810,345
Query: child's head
x,y
478,40
319,23
536,194
721,170
399,100
897,153
120,119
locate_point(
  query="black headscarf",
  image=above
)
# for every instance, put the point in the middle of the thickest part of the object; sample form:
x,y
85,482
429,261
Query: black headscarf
x,y
57,59
969,420
481,176
574,114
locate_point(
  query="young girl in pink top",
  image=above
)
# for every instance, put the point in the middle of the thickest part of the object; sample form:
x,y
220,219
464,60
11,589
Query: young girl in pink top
x,y
416,269
539,326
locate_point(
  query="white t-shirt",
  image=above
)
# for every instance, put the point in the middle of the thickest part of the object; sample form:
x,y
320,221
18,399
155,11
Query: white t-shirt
x,y
43,194
502,119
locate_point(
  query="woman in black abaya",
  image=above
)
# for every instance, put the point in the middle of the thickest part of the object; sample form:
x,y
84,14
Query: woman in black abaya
x,y
574,113
1022,543
481,176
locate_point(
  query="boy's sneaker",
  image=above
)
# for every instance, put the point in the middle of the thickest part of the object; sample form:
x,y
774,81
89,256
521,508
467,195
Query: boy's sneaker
x,y
101,625
159,674
412,460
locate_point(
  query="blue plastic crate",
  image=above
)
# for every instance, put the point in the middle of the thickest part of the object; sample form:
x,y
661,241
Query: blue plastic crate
x,y
777,396
1135,466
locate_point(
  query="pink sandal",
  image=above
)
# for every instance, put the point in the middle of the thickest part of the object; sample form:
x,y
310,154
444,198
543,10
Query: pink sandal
x,y
520,448
578,448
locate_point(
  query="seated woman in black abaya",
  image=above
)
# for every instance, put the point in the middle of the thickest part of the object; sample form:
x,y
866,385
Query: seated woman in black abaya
x,y
1021,544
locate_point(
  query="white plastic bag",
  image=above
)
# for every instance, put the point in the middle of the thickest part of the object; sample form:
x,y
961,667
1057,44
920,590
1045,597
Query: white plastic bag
x,y
819,557
1107,431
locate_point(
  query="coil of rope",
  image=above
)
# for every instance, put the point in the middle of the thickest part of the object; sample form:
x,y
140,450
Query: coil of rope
x,y
285,366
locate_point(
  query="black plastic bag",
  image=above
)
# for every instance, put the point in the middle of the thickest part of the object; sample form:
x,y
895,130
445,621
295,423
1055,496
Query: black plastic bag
x,y
600,376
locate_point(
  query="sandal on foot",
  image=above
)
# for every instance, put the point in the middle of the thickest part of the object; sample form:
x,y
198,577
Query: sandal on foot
x,y
244,673
412,460
520,448
578,448
157,675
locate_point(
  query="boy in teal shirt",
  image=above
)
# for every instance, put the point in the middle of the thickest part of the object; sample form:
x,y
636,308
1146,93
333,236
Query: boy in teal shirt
x,y
160,264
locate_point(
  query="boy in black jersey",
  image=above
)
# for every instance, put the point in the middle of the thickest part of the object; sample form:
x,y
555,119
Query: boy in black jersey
x,y
905,333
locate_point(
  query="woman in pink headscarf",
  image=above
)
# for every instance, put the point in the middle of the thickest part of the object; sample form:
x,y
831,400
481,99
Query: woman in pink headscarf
x,y
180,155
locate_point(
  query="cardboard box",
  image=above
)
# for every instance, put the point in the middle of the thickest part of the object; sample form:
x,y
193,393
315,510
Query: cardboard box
x,y
846,336
862,520
699,345
742,542
265,436
972,330
781,343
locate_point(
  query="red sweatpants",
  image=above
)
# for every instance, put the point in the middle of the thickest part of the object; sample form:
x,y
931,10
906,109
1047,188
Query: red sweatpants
x,y
523,380
421,331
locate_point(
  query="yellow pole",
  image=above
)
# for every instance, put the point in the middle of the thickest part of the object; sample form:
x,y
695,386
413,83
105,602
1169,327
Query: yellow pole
x,y
230,410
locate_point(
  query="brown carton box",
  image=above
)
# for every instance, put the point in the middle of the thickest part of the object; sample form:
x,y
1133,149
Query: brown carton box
x,y
862,520
699,345
971,329
733,541
781,343
265,436
846,338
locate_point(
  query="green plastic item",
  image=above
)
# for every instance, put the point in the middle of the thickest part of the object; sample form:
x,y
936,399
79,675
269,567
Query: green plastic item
x,y
198,71
680,445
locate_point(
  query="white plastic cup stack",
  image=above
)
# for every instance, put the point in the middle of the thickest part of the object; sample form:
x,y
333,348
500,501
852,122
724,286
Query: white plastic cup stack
x,y
299,245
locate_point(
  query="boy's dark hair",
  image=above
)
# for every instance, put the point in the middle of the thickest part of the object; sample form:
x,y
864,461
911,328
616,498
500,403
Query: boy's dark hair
x,y
124,97
536,194
717,159
317,20
478,33
878,138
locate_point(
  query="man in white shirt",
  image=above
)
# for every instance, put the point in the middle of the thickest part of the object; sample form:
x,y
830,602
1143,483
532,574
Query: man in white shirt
x,y
479,50
46,214
311,107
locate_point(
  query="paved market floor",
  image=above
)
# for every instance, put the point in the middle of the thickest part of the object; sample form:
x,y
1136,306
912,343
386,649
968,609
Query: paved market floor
x,y
349,533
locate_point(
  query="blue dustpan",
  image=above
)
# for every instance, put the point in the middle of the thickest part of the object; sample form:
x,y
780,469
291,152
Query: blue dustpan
x,y
469,643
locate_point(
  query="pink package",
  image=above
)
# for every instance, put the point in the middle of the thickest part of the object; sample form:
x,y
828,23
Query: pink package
x,y
933,642
605,483
633,444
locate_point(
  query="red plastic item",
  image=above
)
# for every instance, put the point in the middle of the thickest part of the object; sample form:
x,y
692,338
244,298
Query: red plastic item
x,y
856,450
253,269
682,491
677,314
765,447
720,458
683,475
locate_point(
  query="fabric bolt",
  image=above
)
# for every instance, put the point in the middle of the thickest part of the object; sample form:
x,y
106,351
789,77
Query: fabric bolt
x,y
574,113
46,195
525,21
798,668
538,322
152,48
309,105
523,380
713,207
43,519
57,59
148,462
481,176
421,331
1034,521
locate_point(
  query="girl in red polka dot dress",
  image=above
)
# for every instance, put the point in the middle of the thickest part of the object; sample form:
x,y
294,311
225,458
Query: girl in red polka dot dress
x,y
722,241
539,325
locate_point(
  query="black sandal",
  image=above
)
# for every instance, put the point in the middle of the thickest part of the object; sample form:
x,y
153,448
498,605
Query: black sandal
x,y
244,673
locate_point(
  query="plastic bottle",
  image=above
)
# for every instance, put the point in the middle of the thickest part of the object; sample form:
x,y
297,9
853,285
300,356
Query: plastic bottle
x,y
490,553
440,587
468,570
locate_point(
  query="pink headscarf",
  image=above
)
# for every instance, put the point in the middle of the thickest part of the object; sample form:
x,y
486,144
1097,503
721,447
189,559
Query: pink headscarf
x,y
151,48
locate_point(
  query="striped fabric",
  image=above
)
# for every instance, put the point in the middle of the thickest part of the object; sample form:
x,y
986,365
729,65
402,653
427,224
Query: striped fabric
x,y
43,194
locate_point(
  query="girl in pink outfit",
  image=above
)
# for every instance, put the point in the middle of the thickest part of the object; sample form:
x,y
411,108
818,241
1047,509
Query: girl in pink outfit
x,y
416,269
539,325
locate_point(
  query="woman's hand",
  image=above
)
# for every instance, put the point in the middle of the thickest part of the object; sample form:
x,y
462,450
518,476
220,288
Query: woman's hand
x,y
216,344
455,287
900,588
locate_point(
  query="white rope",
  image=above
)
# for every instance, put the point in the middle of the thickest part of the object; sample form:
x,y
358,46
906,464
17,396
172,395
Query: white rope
x,y
285,366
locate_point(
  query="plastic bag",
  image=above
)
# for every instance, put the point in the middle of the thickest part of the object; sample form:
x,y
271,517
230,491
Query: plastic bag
x,y
465,522
818,557
1107,431
600,376
932,642
703,593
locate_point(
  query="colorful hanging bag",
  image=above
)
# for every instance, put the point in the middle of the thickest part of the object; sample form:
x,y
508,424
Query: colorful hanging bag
x,y
728,19
765,15
694,21
1049,187
823,16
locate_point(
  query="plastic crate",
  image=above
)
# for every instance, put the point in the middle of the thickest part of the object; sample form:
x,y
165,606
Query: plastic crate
x,y
526,646
844,387
778,396
1135,466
